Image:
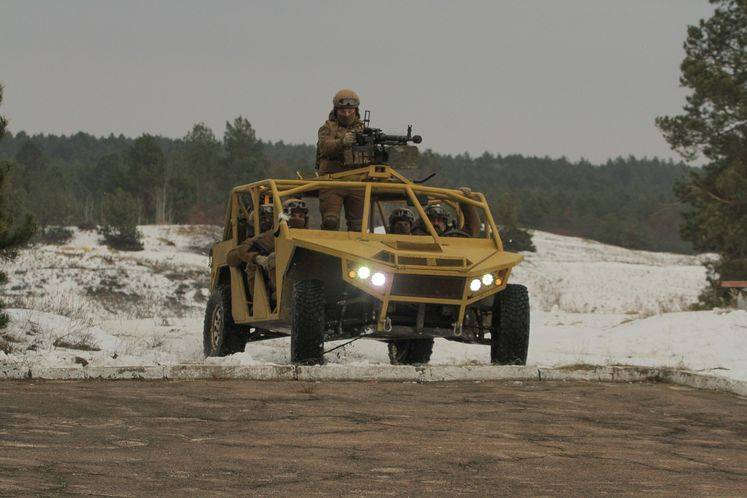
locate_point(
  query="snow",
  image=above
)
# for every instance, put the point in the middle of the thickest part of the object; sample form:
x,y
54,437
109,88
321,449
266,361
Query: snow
x,y
85,304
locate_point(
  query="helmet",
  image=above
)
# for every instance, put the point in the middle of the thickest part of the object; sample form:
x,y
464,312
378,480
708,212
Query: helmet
x,y
346,98
265,210
401,214
290,205
436,210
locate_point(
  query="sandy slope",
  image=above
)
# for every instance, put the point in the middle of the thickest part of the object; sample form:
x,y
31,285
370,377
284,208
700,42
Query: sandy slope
x,y
592,303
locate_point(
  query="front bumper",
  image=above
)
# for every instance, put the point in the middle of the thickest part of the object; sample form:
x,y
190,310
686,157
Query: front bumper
x,y
418,286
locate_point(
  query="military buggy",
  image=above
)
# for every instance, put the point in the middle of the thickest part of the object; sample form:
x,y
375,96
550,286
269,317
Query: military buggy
x,y
402,289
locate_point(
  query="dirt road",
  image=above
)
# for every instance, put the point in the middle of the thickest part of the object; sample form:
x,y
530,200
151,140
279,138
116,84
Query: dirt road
x,y
128,438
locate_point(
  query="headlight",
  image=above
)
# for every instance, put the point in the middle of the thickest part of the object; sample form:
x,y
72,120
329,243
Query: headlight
x,y
487,279
475,285
378,279
364,272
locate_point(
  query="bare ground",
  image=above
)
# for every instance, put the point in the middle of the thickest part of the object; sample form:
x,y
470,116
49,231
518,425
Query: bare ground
x,y
128,438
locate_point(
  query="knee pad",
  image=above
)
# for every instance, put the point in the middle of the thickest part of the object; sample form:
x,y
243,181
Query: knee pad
x,y
330,223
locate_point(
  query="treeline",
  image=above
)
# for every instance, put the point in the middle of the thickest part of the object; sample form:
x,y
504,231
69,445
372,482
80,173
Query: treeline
x,y
78,179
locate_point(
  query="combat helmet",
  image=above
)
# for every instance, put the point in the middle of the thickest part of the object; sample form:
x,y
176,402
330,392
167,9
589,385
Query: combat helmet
x,y
346,99
401,214
266,218
435,211
295,204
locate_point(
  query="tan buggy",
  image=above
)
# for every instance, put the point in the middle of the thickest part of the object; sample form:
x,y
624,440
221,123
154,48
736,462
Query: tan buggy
x,y
402,289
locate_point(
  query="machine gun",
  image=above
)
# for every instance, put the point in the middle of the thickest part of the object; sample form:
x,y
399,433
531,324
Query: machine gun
x,y
373,146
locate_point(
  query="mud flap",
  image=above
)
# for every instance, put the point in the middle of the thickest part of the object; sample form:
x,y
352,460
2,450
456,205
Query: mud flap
x,y
420,320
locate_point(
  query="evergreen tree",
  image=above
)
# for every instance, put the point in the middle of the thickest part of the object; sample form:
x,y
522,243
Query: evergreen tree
x,y
32,158
200,164
12,235
506,217
147,171
245,160
714,126
120,212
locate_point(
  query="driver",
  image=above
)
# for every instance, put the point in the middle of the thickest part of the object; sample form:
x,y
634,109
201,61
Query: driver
x,y
441,220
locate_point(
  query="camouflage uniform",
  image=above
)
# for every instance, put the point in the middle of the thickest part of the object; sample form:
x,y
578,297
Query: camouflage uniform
x,y
260,250
247,252
329,159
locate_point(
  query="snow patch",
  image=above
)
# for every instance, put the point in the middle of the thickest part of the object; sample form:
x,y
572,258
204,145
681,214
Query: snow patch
x,y
88,306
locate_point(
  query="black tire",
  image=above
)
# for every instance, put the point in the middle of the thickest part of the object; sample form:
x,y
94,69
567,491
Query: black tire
x,y
410,351
307,326
220,335
509,335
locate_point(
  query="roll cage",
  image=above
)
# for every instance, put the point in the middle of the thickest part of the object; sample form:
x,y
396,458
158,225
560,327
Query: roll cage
x,y
378,182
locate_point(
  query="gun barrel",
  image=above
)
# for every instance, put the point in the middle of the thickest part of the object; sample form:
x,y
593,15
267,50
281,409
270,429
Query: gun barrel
x,y
399,139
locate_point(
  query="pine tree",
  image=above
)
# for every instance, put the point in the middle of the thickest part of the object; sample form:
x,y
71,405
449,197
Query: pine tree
x,y
506,216
120,211
714,126
12,235
245,159
147,172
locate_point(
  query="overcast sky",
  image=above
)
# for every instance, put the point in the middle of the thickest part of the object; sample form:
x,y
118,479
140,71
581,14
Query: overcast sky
x,y
542,77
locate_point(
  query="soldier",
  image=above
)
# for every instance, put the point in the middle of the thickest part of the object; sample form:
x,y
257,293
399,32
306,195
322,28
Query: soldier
x,y
401,221
440,219
260,250
266,220
335,134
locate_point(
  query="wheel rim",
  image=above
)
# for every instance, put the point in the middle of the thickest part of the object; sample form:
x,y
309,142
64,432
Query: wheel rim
x,y
216,327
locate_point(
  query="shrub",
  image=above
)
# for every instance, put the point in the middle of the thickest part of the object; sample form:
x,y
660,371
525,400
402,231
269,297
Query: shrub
x,y
122,238
120,230
87,226
55,235
516,239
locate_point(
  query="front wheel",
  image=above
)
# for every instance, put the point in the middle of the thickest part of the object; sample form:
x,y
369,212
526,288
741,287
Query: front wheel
x,y
410,351
509,334
307,326
220,335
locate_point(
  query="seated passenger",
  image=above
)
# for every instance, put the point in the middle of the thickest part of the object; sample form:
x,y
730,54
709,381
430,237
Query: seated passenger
x,y
401,221
266,219
260,250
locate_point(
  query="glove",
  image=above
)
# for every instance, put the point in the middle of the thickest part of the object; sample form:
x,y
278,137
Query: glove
x,y
466,191
261,261
348,139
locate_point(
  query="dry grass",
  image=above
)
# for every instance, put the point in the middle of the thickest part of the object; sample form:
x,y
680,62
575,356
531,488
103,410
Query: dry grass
x,y
81,342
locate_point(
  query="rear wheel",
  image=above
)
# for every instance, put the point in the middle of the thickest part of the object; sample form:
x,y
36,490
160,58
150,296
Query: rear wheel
x,y
410,351
220,335
307,326
509,335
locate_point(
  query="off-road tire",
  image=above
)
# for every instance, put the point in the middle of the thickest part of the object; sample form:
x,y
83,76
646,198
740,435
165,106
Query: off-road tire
x,y
307,325
410,351
220,335
509,335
